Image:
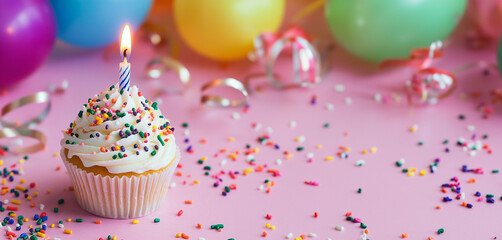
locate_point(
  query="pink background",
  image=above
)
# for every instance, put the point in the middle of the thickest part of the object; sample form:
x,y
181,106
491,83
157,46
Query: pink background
x,y
391,203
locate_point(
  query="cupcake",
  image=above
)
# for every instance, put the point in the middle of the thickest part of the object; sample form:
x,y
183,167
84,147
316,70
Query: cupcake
x,y
120,154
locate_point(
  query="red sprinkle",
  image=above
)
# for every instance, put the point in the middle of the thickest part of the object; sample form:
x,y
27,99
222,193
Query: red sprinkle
x,y
11,208
316,215
269,217
180,212
32,185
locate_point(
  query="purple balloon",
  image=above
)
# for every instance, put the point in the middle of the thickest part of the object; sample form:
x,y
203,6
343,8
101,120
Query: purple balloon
x,y
27,33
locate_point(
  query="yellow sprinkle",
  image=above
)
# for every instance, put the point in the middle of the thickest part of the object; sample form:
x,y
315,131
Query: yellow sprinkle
x,y
30,226
114,237
414,128
298,238
411,174
35,194
135,221
196,181
267,225
318,146
12,215
423,172
52,225
329,158
203,158
231,139
21,160
412,169
373,150
17,202
273,227
288,156
364,152
256,150
5,191
20,188
1,162
29,198
69,219
67,231
56,154
232,156
178,235
248,170
26,219
48,191
297,139
40,234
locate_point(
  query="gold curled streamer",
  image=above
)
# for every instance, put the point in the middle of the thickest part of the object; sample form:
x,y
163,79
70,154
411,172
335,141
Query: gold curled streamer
x,y
39,97
213,100
157,66
31,133
299,56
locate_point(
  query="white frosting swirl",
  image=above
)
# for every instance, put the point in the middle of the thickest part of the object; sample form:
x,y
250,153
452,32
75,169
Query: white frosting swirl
x,y
122,132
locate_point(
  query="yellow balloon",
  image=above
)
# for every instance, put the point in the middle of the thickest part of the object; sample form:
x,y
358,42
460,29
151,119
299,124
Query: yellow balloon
x,y
225,29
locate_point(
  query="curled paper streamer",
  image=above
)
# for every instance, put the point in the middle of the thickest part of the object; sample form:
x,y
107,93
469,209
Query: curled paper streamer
x,y
306,59
214,100
12,130
156,67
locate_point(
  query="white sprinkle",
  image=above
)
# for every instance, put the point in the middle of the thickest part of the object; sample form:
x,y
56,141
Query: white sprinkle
x,y
301,139
328,238
9,229
378,97
289,236
329,107
278,161
260,188
292,124
249,157
462,195
401,160
17,225
312,235
348,100
471,128
6,201
339,88
223,162
201,238
257,126
269,130
236,115
472,153
60,225
186,132
57,238
173,184
42,206
339,228
310,155
360,162
363,237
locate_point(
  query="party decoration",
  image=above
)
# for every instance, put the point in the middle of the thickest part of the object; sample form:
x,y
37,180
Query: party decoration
x,y
214,100
487,17
306,59
225,29
427,84
27,33
378,30
12,130
156,67
97,23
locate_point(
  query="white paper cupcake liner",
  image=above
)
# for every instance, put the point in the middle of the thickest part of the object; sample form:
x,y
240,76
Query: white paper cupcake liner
x,y
120,197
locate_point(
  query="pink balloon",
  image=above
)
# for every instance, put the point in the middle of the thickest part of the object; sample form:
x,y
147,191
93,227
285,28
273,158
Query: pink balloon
x,y
487,17
27,33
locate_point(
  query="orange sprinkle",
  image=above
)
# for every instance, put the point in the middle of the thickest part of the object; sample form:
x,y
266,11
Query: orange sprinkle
x,y
472,180
404,235
58,168
443,190
264,234
438,207
97,222
303,236
464,204
102,149
188,201
179,174
223,150
199,226
203,140
430,238
184,236
367,231
114,100
32,204
348,214
107,137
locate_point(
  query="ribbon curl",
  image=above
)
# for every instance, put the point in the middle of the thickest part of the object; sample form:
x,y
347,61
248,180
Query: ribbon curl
x,y
13,130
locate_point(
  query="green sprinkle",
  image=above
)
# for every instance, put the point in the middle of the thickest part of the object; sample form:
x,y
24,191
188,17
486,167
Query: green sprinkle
x,y
349,218
489,195
39,221
227,189
161,116
25,157
441,231
185,125
127,124
61,201
360,190
363,226
156,220
60,222
206,173
107,96
461,117
121,91
299,148
79,220
495,171
420,143
121,155
326,125
154,106
90,111
153,153
485,136
405,170
207,168
56,210
160,140
248,146
266,181
142,135
67,142
399,164
33,237
114,156
200,162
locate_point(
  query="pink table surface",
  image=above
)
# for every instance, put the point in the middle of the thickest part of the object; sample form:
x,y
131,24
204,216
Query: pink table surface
x,y
391,203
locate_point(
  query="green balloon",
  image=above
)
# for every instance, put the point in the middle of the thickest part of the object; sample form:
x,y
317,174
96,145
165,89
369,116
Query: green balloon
x,y
380,29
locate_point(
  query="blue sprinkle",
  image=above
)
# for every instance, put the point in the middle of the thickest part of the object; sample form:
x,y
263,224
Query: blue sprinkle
x,y
447,199
224,193
478,194
44,218
490,200
36,217
11,221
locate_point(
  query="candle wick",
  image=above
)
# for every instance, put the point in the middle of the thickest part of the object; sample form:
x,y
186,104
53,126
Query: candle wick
x,y
125,54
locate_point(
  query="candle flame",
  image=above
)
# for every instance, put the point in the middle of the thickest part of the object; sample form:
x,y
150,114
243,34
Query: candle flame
x,y
125,43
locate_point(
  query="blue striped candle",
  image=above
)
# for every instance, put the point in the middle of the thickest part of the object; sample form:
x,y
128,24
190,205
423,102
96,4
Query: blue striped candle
x,y
125,75
125,53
